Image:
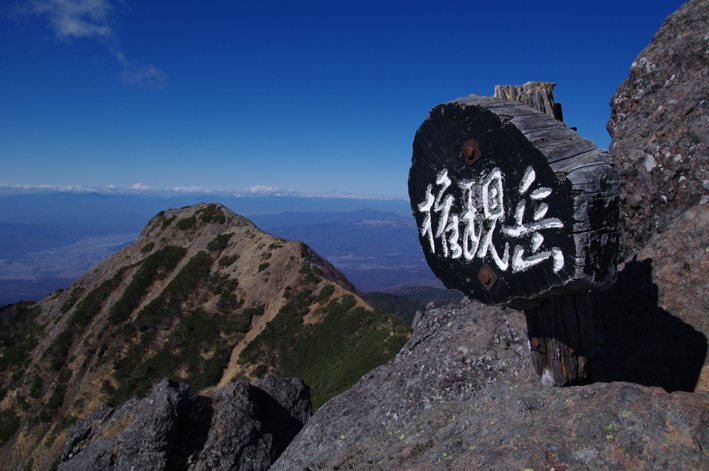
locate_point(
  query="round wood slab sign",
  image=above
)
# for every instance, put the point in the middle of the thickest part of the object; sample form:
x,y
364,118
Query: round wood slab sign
x,y
511,205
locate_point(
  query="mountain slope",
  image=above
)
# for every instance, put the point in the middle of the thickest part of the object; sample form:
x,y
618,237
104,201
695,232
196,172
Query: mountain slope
x,y
200,287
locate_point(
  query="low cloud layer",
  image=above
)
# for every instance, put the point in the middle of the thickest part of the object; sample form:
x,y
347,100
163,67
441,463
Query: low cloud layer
x,y
139,188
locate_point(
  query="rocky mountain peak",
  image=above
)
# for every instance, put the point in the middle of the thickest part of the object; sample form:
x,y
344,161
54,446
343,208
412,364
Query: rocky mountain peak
x,y
203,297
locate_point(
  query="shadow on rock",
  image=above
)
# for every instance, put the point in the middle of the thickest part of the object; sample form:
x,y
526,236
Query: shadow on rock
x,y
639,342
192,432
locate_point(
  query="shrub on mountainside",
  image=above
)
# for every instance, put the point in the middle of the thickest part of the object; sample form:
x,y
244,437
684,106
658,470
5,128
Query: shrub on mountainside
x,y
196,335
16,350
9,422
83,315
56,400
228,302
311,275
71,300
186,223
227,260
212,213
36,388
325,294
20,338
401,307
167,222
220,242
330,356
152,268
92,303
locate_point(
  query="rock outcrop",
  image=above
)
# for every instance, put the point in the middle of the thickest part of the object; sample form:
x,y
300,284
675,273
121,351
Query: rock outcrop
x,y
243,426
137,435
660,128
252,424
652,327
462,394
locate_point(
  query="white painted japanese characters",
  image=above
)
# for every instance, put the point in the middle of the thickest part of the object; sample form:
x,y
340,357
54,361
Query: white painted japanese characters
x,y
470,233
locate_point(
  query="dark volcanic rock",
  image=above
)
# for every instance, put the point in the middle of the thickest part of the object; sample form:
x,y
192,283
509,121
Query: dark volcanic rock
x,y
660,127
652,326
242,426
462,395
252,424
137,435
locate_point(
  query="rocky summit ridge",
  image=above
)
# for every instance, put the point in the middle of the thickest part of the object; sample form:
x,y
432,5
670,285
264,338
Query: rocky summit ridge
x,y
460,395
205,298
463,395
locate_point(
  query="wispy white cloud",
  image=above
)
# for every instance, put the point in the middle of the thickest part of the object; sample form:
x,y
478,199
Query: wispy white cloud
x,y
92,19
262,190
79,18
140,186
136,74
194,189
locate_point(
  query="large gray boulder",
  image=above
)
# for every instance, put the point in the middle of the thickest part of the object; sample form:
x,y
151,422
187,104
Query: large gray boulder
x,y
462,395
252,424
137,435
243,426
660,128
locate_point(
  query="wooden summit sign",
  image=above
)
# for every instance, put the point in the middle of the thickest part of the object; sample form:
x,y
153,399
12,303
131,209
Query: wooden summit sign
x,y
512,206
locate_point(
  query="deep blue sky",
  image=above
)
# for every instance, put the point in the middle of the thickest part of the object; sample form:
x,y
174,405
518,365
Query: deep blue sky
x,y
314,97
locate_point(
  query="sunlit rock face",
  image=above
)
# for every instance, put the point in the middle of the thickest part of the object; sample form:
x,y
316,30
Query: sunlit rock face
x,y
660,128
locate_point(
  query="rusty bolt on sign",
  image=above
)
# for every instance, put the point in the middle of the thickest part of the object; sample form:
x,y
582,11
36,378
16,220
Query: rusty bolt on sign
x,y
471,151
487,277
537,345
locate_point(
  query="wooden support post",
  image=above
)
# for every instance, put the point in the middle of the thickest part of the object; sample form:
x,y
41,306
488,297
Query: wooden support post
x,y
561,339
560,330
537,95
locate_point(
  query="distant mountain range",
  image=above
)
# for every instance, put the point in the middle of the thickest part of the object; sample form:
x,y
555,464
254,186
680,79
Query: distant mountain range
x,y
92,208
47,240
376,250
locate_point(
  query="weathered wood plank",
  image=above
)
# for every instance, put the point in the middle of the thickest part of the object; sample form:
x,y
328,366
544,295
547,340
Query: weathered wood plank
x,y
551,137
537,95
569,149
561,339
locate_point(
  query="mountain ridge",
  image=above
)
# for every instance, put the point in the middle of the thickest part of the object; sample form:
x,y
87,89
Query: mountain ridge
x,y
199,286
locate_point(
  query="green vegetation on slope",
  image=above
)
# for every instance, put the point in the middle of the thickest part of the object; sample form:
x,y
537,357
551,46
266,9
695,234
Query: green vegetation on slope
x,y
199,346
84,313
9,422
212,213
399,306
330,356
73,298
158,315
19,339
220,242
152,268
